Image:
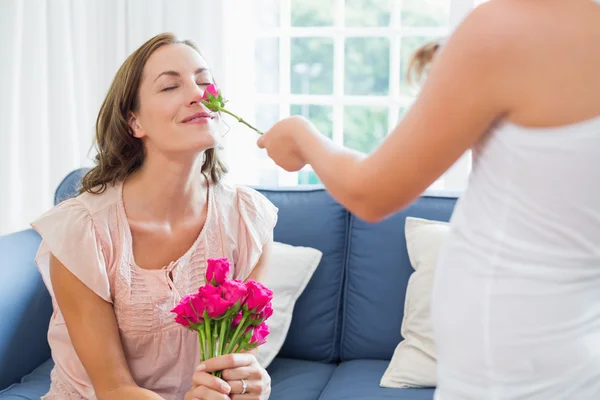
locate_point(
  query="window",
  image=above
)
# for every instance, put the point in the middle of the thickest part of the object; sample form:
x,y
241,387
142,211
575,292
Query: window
x,y
341,64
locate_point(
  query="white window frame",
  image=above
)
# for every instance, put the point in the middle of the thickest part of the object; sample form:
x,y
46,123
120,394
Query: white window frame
x,y
245,98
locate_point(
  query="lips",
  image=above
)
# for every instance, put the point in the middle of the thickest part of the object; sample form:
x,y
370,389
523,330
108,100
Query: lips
x,y
197,117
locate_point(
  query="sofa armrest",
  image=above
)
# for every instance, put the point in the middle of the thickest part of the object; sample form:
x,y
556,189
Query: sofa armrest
x,y
25,308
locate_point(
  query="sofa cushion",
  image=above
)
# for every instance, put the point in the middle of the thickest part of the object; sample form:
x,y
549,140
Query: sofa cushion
x,y
290,270
25,308
298,379
359,380
414,360
32,386
376,279
312,218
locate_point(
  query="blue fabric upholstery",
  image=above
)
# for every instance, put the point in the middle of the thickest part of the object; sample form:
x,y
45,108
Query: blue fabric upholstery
x,y
298,379
359,380
312,218
69,186
32,386
376,279
25,308
292,380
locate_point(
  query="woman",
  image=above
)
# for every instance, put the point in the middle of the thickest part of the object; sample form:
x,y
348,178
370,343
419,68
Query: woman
x,y
516,304
118,257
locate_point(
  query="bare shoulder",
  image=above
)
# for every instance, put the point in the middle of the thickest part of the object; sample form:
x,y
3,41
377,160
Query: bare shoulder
x,y
516,22
518,25
536,49
499,28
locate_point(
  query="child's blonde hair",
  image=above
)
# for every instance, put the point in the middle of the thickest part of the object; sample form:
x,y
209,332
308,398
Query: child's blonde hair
x,y
420,61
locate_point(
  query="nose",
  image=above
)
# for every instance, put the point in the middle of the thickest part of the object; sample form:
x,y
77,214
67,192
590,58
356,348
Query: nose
x,y
196,95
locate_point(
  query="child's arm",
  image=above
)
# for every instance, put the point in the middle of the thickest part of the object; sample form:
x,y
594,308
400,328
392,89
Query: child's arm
x,y
465,91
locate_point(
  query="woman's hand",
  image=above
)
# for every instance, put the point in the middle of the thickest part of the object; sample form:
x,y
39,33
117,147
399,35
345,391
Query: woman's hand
x,y
243,379
285,140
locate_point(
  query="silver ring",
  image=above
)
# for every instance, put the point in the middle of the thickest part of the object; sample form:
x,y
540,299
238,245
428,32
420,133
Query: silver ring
x,y
244,386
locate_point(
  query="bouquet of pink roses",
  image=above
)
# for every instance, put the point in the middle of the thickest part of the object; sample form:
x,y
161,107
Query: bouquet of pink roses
x,y
227,314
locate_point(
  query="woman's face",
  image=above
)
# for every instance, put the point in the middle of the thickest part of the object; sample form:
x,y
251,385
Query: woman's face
x,y
171,117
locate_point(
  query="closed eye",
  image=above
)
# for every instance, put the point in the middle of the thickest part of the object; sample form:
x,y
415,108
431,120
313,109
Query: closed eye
x,y
175,87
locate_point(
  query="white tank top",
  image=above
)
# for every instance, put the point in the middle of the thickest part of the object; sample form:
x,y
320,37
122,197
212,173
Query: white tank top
x,y
516,303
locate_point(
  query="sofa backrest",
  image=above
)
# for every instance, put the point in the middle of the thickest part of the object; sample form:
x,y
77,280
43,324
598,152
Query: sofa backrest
x,y
365,270
376,278
25,308
312,218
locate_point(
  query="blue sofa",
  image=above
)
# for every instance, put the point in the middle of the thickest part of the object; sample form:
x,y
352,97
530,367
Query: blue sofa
x,y
345,327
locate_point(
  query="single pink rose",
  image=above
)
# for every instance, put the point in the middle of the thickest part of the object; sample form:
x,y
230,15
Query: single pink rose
x,y
184,311
217,270
212,297
236,320
182,321
258,296
212,89
208,290
212,98
259,336
234,291
263,315
266,312
198,306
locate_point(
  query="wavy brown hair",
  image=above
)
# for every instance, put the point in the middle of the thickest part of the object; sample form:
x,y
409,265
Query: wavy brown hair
x,y
420,61
119,152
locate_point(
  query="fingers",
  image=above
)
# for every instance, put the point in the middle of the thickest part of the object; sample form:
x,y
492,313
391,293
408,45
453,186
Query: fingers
x,y
249,372
246,396
261,142
210,382
204,393
228,361
253,387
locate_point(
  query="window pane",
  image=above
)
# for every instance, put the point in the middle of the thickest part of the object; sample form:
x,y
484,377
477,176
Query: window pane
x,y
267,65
266,116
267,13
367,66
364,127
312,12
308,178
319,115
408,45
368,12
312,66
421,13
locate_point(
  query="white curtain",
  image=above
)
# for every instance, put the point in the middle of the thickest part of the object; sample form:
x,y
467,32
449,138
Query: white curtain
x,y
57,60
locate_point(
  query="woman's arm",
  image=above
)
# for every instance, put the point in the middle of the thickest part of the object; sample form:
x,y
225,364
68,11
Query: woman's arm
x,y
464,93
93,330
260,269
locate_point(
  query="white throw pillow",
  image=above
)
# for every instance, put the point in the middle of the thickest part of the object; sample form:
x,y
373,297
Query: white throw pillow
x,y
289,271
414,361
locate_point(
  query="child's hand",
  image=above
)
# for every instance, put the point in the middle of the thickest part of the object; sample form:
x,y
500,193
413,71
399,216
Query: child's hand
x,y
284,140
